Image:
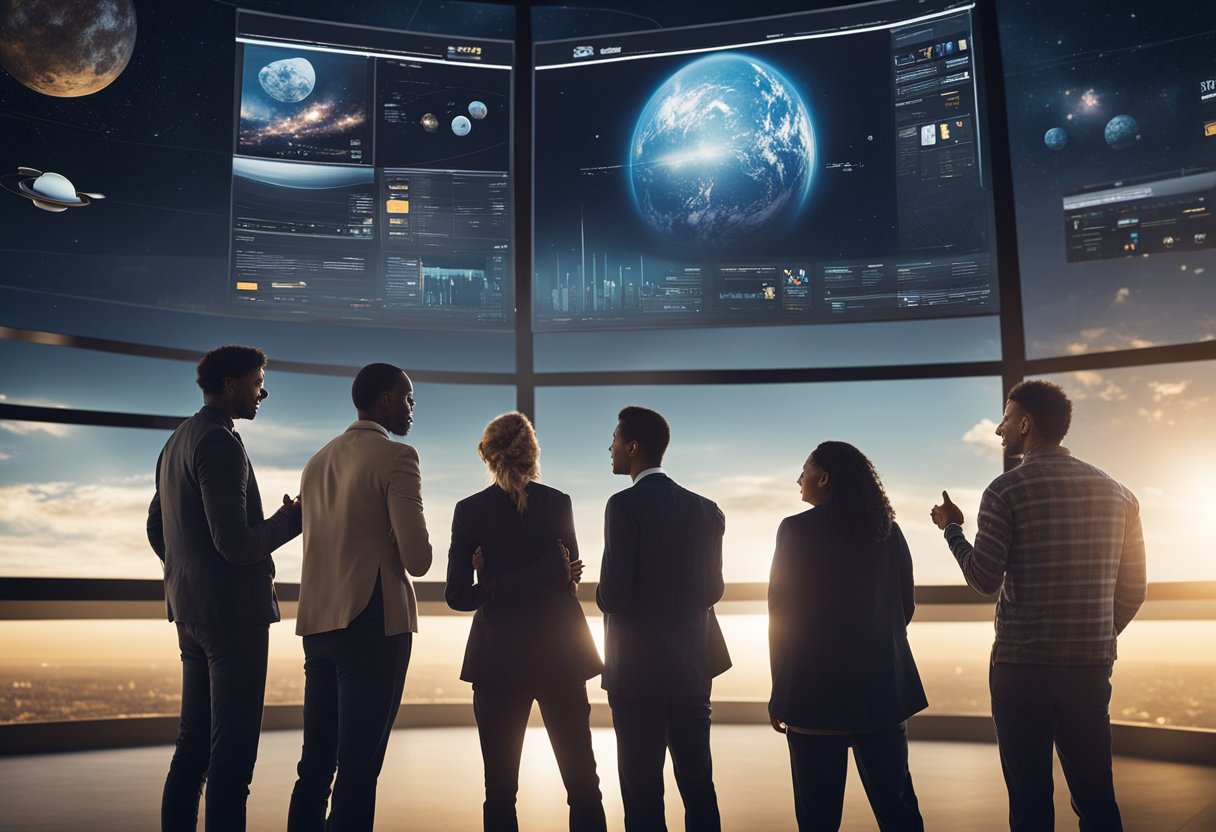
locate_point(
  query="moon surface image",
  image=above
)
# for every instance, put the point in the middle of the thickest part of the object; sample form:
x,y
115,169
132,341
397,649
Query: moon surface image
x,y
66,48
461,126
289,80
723,149
478,110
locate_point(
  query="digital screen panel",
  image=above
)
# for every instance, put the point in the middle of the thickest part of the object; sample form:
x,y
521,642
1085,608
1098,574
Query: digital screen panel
x,y
370,176
1112,134
811,168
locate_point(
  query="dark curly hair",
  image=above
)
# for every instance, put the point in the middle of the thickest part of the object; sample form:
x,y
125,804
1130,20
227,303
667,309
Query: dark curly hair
x,y
1047,404
229,361
858,501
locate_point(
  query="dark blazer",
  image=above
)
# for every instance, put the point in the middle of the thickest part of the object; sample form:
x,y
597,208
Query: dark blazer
x,y
530,634
206,524
838,639
661,576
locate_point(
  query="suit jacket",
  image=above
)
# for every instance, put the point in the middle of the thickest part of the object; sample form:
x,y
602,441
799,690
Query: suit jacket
x,y
362,499
206,524
839,608
530,634
661,576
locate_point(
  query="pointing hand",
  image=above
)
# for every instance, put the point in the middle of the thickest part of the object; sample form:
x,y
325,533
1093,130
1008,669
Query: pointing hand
x,y
946,513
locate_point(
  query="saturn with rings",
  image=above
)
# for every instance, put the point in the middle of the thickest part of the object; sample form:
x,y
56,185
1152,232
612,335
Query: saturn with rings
x,y
49,191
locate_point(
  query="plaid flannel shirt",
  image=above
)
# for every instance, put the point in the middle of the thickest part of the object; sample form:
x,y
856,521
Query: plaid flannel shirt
x,y
1061,540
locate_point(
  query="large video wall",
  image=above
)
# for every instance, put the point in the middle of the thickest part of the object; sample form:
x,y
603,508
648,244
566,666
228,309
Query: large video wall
x,y
809,196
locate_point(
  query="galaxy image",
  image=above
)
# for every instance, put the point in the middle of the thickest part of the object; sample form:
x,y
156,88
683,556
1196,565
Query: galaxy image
x,y
304,104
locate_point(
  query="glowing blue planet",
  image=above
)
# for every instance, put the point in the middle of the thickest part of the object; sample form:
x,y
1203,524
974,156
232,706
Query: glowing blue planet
x,y
461,126
289,80
1121,132
1055,138
478,110
723,149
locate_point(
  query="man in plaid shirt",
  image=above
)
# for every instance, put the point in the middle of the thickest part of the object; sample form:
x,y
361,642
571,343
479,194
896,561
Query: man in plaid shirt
x,y
1060,540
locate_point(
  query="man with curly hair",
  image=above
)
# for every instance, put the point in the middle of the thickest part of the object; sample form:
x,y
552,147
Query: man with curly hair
x,y
1061,541
206,525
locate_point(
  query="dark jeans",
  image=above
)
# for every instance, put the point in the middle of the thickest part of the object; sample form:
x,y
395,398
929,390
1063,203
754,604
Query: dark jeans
x,y
502,717
223,685
353,681
819,763
1035,706
645,732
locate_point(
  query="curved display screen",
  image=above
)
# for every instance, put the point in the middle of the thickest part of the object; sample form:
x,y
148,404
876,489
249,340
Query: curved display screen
x,y
370,179
820,167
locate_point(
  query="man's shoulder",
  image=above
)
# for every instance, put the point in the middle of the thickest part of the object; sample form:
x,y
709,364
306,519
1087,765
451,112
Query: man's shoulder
x,y
1063,468
201,430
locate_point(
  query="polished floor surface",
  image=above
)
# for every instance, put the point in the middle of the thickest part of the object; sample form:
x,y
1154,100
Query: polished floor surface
x,y
432,781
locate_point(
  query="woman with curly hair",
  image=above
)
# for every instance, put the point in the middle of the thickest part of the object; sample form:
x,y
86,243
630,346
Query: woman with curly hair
x,y
529,640
840,598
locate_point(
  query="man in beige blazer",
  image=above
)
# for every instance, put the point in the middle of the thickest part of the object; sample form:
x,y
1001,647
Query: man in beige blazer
x,y
363,531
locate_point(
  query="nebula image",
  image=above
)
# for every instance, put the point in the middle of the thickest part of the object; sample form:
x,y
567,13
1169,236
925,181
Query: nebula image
x,y
312,109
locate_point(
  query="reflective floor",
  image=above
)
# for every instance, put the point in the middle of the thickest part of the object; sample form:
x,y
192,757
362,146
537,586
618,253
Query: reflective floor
x,y
432,781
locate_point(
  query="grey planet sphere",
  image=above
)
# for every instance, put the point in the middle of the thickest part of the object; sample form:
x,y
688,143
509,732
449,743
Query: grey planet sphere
x,y
478,110
461,126
1055,138
66,48
289,80
1121,131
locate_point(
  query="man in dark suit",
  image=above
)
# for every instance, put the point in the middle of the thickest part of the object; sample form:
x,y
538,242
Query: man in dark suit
x,y
661,576
206,525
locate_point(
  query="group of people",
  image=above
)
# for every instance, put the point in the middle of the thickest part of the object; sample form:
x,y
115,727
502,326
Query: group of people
x,y
1058,539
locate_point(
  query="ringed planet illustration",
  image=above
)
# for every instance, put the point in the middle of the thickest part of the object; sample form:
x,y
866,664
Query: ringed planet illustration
x,y
49,191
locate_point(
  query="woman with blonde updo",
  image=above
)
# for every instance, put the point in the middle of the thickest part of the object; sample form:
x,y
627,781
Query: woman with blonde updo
x,y
514,559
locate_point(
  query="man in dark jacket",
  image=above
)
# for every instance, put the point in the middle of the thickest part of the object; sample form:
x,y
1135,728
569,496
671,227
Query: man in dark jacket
x,y
206,525
661,576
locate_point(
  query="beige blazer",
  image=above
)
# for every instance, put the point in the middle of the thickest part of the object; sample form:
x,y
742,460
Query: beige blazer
x,y
362,501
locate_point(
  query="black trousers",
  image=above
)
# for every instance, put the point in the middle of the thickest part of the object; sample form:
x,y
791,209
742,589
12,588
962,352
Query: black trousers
x,y
353,681
1036,706
223,685
645,732
819,764
502,718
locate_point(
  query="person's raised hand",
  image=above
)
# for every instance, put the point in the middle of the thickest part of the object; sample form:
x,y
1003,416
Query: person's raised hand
x,y
946,513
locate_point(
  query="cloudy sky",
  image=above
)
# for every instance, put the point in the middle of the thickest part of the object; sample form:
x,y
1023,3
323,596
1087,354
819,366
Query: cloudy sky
x,y
73,499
